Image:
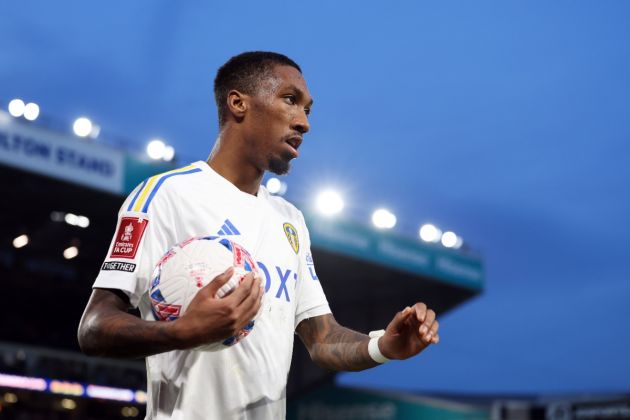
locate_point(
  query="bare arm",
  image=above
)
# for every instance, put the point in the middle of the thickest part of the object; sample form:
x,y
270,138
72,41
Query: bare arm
x,y
107,329
335,347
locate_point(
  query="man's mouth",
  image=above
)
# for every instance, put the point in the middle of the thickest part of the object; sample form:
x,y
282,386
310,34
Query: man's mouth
x,y
294,143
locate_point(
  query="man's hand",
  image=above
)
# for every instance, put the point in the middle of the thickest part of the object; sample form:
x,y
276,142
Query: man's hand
x,y
107,329
410,332
210,319
335,347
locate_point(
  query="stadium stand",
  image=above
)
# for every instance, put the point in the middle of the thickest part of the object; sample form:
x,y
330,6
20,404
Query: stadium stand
x,y
48,174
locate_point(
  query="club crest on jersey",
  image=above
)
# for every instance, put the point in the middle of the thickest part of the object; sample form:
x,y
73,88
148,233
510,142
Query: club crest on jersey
x,y
292,236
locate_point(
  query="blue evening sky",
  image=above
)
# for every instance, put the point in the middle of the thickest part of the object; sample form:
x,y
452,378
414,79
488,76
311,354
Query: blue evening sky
x,y
505,121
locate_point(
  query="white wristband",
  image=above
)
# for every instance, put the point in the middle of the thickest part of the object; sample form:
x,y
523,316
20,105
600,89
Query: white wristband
x,y
373,350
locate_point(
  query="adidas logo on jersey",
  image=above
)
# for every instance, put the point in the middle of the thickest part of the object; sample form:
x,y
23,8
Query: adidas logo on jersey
x,y
228,229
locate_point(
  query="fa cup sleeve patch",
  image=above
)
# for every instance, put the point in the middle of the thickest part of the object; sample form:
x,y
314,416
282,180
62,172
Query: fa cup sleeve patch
x,y
128,237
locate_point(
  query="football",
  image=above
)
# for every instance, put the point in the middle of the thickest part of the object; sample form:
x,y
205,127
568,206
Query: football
x,y
189,266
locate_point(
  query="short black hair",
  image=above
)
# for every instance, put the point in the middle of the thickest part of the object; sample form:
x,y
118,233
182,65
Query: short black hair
x,y
245,72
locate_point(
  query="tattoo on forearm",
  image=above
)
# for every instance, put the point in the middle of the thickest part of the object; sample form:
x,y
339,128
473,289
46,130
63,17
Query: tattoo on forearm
x,y
136,339
333,346
106,330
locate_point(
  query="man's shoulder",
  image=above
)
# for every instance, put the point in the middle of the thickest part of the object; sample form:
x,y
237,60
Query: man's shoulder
x,y
286,208
160,187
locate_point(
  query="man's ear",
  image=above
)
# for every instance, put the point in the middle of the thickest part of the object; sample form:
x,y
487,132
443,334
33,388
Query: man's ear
x,y
238,104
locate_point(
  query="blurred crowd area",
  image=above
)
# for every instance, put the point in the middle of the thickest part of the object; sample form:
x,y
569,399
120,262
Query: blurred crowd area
x,y
43,300
42,309
67,366
27,405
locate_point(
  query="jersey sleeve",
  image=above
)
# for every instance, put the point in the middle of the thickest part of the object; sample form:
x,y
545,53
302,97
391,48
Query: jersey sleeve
x,y
311,300
138,242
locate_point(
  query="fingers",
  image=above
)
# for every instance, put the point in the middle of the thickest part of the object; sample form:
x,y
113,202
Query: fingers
x,y
244,289
399,320
420,310
248,307
428,325
251,305
434,331
220,280
252,297
425,327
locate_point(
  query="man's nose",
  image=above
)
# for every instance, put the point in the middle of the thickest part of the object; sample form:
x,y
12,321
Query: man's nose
x,y
301,124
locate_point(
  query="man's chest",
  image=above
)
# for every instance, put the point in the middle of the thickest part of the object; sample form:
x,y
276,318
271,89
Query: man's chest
x,y
272,239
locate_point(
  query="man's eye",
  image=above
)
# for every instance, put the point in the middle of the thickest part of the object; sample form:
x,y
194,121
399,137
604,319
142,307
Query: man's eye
x,y
290,99
307,111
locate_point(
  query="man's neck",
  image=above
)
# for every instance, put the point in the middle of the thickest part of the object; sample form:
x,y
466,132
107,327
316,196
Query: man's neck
x,y
231,165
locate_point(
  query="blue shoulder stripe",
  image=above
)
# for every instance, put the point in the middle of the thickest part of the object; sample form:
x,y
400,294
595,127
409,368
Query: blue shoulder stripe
x,y
135,197
159,184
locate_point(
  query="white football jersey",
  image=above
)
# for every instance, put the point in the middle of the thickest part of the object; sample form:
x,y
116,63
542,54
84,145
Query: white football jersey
x,y
247,380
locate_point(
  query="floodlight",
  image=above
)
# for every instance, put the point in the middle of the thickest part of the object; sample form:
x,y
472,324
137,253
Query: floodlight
x,y
430,233
169,153
156,149
31,111
82,127
449,239
96,130
275,186
16,108
383,219
329,203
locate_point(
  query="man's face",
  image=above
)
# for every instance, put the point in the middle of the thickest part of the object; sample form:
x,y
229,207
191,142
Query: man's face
x,y
278,119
